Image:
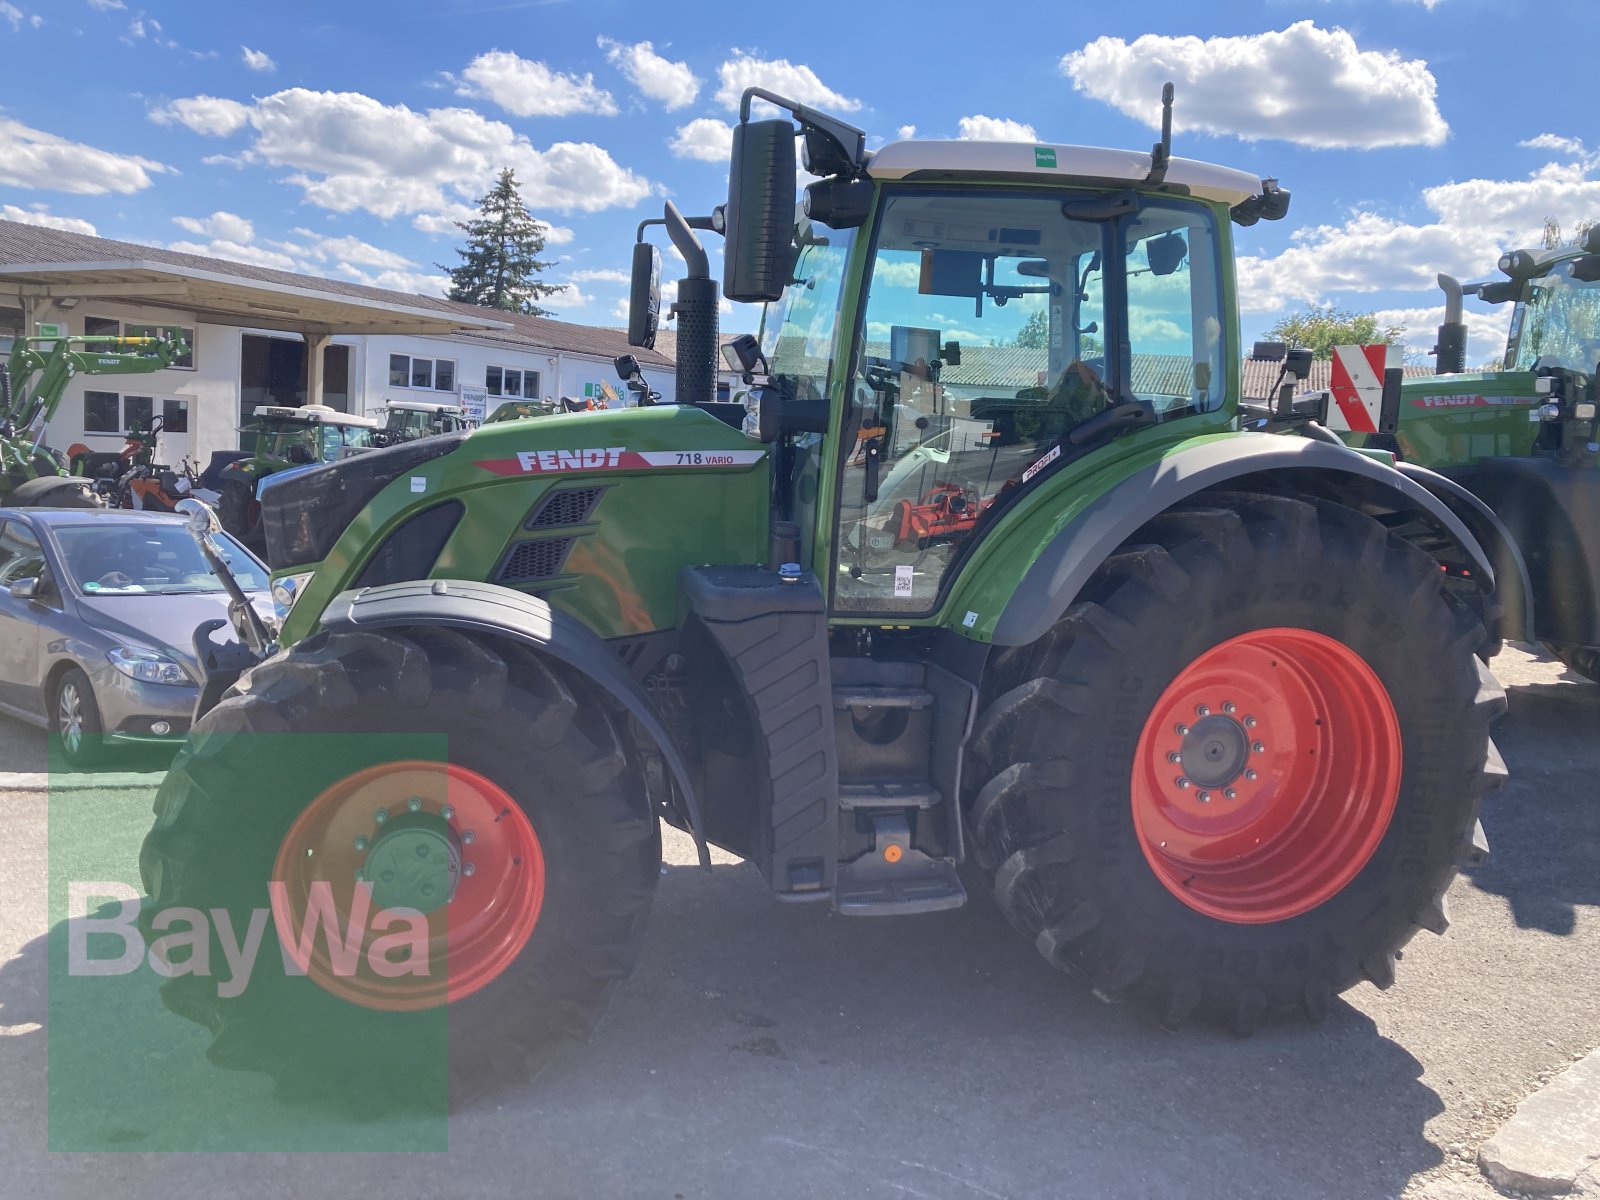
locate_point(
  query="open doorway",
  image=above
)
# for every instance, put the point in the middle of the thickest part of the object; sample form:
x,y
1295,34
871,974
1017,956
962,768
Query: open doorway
x,y
272,370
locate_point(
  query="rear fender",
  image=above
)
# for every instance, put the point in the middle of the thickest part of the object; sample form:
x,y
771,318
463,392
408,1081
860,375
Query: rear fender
x,y
1277,463
499,612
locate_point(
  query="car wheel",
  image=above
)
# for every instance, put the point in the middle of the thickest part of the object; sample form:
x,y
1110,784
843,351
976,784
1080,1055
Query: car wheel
x,y
75,720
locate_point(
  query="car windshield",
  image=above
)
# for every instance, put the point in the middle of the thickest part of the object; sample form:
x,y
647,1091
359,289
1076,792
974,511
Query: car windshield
x,y
125,558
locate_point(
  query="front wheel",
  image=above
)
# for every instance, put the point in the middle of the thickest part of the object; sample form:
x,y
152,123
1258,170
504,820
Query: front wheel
x,y
476,787
1240,774
75,720
240,514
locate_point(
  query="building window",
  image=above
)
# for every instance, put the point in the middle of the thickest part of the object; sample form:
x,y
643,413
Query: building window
x,y
510,381
137,411
183,362
102,412
102,327
434,374
111,413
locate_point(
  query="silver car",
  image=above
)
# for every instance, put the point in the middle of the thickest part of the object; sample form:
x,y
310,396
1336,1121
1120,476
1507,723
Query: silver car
x,y
98,611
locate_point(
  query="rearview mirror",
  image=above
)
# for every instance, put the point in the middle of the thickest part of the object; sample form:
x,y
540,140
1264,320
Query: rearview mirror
x,y
644,296
25,589
1166,253
759,217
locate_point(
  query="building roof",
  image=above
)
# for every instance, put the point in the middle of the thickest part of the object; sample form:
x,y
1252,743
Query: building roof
x,y
51,263
1261,377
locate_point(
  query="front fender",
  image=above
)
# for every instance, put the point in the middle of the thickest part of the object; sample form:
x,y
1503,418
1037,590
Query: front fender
x,y
1060,571
502,613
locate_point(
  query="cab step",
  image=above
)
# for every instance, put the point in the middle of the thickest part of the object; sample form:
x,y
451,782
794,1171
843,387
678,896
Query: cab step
x,y
870,696
893,878
889,793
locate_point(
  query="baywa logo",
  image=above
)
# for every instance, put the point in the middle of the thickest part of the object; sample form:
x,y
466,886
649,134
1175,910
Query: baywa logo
x,y
382,943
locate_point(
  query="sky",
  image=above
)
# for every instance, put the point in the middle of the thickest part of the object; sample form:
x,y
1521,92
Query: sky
x,y
344,138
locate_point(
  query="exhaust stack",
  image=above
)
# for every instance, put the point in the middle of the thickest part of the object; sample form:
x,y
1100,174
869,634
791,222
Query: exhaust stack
x,y
1450,352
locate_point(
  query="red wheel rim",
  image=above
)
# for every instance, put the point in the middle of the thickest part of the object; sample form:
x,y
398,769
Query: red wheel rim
x,y
1266,775
479,915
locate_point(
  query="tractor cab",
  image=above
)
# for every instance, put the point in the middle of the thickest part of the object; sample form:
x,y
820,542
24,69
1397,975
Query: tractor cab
x,y
404,420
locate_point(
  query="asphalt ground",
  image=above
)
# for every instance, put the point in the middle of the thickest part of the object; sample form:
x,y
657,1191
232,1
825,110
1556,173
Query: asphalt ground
x,y
762,1049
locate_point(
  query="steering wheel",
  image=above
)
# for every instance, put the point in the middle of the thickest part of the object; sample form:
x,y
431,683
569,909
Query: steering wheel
x,y
115,579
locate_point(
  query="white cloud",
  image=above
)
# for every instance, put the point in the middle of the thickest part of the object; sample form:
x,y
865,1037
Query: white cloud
x,y
233,251
594,275
349,152
795,81
11,13
1304,84
905,133
1486,331
704,138
348,250
106,5
672,83
995,129
31,158
530,89
211,116
225,225
557,235
257,60
1474,221
37,216
569,296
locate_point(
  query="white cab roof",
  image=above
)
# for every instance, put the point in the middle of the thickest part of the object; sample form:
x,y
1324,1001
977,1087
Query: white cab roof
x,y
317,414
422,406
1060,164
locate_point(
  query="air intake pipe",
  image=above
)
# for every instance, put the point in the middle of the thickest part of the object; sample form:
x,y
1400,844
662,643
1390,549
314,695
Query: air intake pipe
x,y
1450,352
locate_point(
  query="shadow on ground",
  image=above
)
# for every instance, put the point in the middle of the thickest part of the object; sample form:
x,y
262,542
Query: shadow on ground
x,y
757,1043
1544,827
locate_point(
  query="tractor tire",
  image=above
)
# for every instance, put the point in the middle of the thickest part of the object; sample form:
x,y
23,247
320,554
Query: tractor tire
x,y
1585,660
240,514
569,844
55,491
1158,801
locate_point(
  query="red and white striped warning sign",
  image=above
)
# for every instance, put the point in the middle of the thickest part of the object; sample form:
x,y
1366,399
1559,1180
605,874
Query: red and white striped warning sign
x,y
1357,386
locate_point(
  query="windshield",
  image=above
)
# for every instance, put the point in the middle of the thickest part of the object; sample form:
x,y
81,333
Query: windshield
x,y
123,558
1557,324
300,442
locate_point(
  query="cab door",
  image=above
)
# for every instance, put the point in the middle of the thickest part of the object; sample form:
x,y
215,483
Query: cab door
x,y
20,629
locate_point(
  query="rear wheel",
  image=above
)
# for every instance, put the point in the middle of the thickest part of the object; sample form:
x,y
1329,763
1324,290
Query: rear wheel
x,y
1239,775
1585,660
55,491
240,514
531,856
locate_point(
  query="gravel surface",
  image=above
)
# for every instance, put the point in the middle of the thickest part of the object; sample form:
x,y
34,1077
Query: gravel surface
x,y
763,1049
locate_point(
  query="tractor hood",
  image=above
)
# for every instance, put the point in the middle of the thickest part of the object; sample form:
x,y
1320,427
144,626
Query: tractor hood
x,y
307,514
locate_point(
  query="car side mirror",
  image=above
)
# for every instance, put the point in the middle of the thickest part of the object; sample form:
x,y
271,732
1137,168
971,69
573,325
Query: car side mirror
x,y
25,589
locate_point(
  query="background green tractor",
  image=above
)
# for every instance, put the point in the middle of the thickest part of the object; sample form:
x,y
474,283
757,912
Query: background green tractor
x,y
1200,707
406,420
283,437
1514,452
31,387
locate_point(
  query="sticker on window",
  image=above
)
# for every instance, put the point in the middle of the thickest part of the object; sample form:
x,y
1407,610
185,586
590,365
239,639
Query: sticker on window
x,y
902,580
1055,453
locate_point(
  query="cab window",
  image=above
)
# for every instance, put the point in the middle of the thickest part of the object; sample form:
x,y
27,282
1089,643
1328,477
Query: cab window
x,y
993,326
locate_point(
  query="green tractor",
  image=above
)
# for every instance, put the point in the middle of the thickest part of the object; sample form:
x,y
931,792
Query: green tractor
x,y
285,437
407,420
1515,452
31,388
1201,708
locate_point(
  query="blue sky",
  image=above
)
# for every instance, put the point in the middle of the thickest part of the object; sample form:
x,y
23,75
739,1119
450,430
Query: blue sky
x,y
343,138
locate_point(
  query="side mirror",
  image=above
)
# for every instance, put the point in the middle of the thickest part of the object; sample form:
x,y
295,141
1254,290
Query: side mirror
x,y
25,589
202,520
1269,351
644,296
760,212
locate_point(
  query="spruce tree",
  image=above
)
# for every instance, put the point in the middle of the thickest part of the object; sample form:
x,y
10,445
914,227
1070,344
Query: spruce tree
x,y
500,263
